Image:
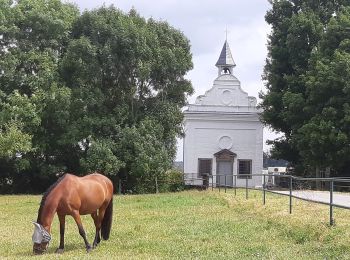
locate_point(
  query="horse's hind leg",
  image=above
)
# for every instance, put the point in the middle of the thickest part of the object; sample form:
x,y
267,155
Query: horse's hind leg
x,y
62,219
77,219
98,223
98,228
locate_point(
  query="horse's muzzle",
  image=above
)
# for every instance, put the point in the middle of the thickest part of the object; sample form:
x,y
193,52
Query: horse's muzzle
x,y
38,252
39,249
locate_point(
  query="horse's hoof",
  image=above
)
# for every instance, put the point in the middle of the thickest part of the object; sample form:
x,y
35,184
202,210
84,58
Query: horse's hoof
x,y
59,251
88,249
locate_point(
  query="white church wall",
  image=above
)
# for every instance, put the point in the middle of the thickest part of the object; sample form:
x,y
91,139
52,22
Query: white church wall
x,y
202,141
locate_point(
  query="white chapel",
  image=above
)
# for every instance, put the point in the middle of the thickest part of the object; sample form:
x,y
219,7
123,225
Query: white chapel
x,y
223,133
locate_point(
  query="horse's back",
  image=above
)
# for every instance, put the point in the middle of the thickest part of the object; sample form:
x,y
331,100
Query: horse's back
x,y
98,178
87,193
92,180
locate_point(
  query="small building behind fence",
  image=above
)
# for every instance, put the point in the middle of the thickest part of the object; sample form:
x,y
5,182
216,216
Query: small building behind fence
x,y
223,133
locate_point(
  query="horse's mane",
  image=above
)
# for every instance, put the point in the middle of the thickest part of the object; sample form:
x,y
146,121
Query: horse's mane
x,y
46,194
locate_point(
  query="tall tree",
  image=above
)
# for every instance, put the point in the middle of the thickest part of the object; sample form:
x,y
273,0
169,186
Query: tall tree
x,y
324,140
33,37
298,30
125,72
83,92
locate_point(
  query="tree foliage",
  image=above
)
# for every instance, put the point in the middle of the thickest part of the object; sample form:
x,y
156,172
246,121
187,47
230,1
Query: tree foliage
x,y
101,90
306,77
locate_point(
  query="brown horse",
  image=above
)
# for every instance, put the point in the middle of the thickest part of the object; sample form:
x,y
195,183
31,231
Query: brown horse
x,y
75,196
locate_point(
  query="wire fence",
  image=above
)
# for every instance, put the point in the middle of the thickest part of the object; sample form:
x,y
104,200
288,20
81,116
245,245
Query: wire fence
x,y
333,192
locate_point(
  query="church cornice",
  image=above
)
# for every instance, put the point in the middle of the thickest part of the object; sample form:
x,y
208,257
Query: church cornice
x,y
225,154
229,117
195,108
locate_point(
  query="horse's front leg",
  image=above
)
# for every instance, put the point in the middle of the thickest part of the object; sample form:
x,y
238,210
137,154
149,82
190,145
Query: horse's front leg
x,y
77,219
62,219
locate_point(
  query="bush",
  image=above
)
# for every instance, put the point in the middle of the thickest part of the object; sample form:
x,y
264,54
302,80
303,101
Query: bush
x,y
172,181
169,181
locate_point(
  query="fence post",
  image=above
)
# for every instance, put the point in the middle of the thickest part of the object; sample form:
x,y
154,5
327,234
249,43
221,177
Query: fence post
x,y
331,189
119,186
205,177
264,191
235,185
157,185
225,183
290,193
246,187
212,182
219,181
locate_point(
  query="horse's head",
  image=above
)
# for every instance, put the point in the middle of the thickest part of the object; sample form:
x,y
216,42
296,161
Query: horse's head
x,y
41,238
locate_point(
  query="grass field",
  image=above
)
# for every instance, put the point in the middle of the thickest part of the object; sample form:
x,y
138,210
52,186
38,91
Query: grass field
x,y
188,225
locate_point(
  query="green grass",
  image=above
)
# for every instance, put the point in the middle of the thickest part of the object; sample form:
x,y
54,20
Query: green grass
x,y
189,225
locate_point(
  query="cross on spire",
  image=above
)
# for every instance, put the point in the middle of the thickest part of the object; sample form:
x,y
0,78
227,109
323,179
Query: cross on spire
x,y
226,31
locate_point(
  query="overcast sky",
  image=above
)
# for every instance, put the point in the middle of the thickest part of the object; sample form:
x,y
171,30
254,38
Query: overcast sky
x,y
204,23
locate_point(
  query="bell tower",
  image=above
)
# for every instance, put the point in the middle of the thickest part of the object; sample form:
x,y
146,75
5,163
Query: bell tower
x,y
225,62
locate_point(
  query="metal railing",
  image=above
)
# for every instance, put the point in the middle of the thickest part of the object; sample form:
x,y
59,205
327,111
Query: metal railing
x,y
281,185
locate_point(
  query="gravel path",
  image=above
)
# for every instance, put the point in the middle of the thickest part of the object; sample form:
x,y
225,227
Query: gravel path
x,y
340,199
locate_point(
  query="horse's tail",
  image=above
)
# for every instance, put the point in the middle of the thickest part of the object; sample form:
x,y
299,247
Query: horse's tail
x,y
107,221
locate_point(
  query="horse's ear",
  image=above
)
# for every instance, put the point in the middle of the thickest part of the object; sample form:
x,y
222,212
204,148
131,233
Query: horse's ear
x,y
36,224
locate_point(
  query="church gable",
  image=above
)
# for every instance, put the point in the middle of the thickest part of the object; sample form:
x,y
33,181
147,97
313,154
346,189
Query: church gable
x,y
226,92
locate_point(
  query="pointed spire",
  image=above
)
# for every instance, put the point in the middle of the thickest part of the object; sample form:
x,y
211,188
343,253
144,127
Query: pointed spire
x,y
225,59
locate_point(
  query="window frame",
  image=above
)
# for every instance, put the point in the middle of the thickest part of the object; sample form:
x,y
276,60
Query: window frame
x,y
199,174
250,169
